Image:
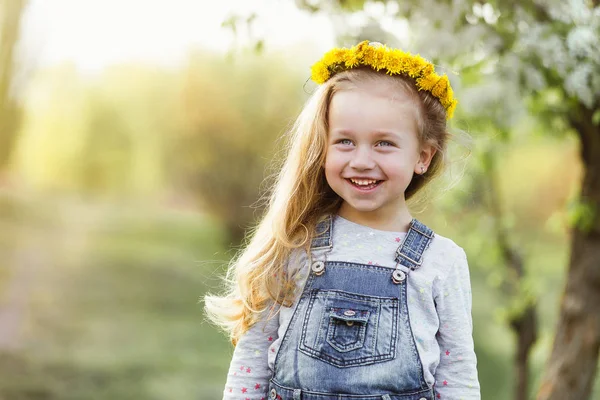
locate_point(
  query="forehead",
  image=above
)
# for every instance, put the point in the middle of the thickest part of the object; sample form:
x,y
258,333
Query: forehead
x,y
373,107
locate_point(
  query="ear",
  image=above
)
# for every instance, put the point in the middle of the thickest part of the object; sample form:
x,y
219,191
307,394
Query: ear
x,y
426,154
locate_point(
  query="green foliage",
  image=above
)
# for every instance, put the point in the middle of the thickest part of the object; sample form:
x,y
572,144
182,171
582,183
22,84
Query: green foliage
x,y
104,137
582,215
234,114
524,296
596,118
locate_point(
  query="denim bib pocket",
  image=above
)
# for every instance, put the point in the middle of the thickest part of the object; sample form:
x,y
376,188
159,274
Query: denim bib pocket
x,y
346,329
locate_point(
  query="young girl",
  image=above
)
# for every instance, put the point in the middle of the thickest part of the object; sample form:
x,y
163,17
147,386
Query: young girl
x,y
340,293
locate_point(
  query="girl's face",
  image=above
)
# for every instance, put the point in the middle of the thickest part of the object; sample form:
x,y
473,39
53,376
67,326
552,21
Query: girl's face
x,y
373,151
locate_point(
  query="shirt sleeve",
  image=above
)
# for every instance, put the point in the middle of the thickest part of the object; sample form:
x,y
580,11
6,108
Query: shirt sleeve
x,y
456,375
249,373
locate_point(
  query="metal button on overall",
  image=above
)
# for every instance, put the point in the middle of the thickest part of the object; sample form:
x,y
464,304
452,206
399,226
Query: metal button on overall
x,y
350,313
398,276
318,267
273,394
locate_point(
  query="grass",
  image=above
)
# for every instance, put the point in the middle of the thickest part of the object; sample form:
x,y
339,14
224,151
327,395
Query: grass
x,y
120,319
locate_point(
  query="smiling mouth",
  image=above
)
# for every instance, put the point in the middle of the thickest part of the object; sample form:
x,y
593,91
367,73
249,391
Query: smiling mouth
x,y
366,186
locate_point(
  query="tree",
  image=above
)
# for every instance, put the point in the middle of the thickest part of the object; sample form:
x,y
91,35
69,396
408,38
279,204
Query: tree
x,y
233,114
11,13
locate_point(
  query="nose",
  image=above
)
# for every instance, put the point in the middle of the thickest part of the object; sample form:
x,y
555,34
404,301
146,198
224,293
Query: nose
x,y
362,159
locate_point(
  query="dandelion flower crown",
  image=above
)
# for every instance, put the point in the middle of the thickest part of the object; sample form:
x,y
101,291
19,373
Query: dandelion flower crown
x,y
393,62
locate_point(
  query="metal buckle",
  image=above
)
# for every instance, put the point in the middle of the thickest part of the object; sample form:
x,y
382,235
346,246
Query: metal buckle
x,y
412,226
417,263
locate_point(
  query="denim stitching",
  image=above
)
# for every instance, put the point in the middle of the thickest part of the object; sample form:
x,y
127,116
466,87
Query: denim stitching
x,y
343,348
306,316
323,240
413,341
376,328
427,393
366,360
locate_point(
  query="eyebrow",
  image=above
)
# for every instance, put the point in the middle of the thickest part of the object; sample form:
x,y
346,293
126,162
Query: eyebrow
x,y
378,133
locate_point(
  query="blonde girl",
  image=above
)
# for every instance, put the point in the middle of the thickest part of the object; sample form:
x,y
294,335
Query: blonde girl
x,y
340,293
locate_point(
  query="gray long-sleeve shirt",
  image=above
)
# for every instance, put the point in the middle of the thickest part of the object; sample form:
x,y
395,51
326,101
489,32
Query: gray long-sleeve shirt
x,y
439,304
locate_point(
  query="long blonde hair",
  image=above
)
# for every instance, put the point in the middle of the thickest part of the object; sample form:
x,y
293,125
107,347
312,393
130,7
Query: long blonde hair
x,y
256,278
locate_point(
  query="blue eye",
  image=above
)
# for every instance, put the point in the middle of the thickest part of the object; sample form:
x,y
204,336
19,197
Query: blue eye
x,y
345,140
389,143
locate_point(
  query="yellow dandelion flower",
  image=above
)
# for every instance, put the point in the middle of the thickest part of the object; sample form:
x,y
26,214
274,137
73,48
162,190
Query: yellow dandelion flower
x,y
351,59
368,55
405,62
428,82
379,58
451,108
360,48
393,61
447,100
415,65
427,69
331,57
319,72
441,87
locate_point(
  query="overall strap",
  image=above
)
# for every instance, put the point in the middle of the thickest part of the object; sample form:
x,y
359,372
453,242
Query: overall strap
x,y
410,252
323,232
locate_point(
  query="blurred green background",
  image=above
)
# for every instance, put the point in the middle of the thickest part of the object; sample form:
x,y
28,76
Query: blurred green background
x,y
128,182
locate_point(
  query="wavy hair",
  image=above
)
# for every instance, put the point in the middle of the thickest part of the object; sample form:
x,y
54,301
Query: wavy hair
x,y
256,279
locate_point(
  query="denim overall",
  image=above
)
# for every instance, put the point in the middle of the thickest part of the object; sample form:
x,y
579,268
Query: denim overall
x,y
350,335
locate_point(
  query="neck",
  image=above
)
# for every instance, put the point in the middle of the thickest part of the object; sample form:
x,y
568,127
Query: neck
x,y
398,222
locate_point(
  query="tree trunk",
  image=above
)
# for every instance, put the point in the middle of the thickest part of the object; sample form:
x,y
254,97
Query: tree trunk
x,y
11,12
526,330
571,368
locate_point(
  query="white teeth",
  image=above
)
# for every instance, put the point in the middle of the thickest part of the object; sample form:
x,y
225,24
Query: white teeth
x,y
362,182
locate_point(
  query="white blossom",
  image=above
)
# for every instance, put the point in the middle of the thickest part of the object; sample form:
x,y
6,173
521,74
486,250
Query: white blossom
x,y
578,84
582,41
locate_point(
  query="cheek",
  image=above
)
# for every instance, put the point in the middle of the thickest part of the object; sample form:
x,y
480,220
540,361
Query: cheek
x,y
402,168
328,168
332,161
